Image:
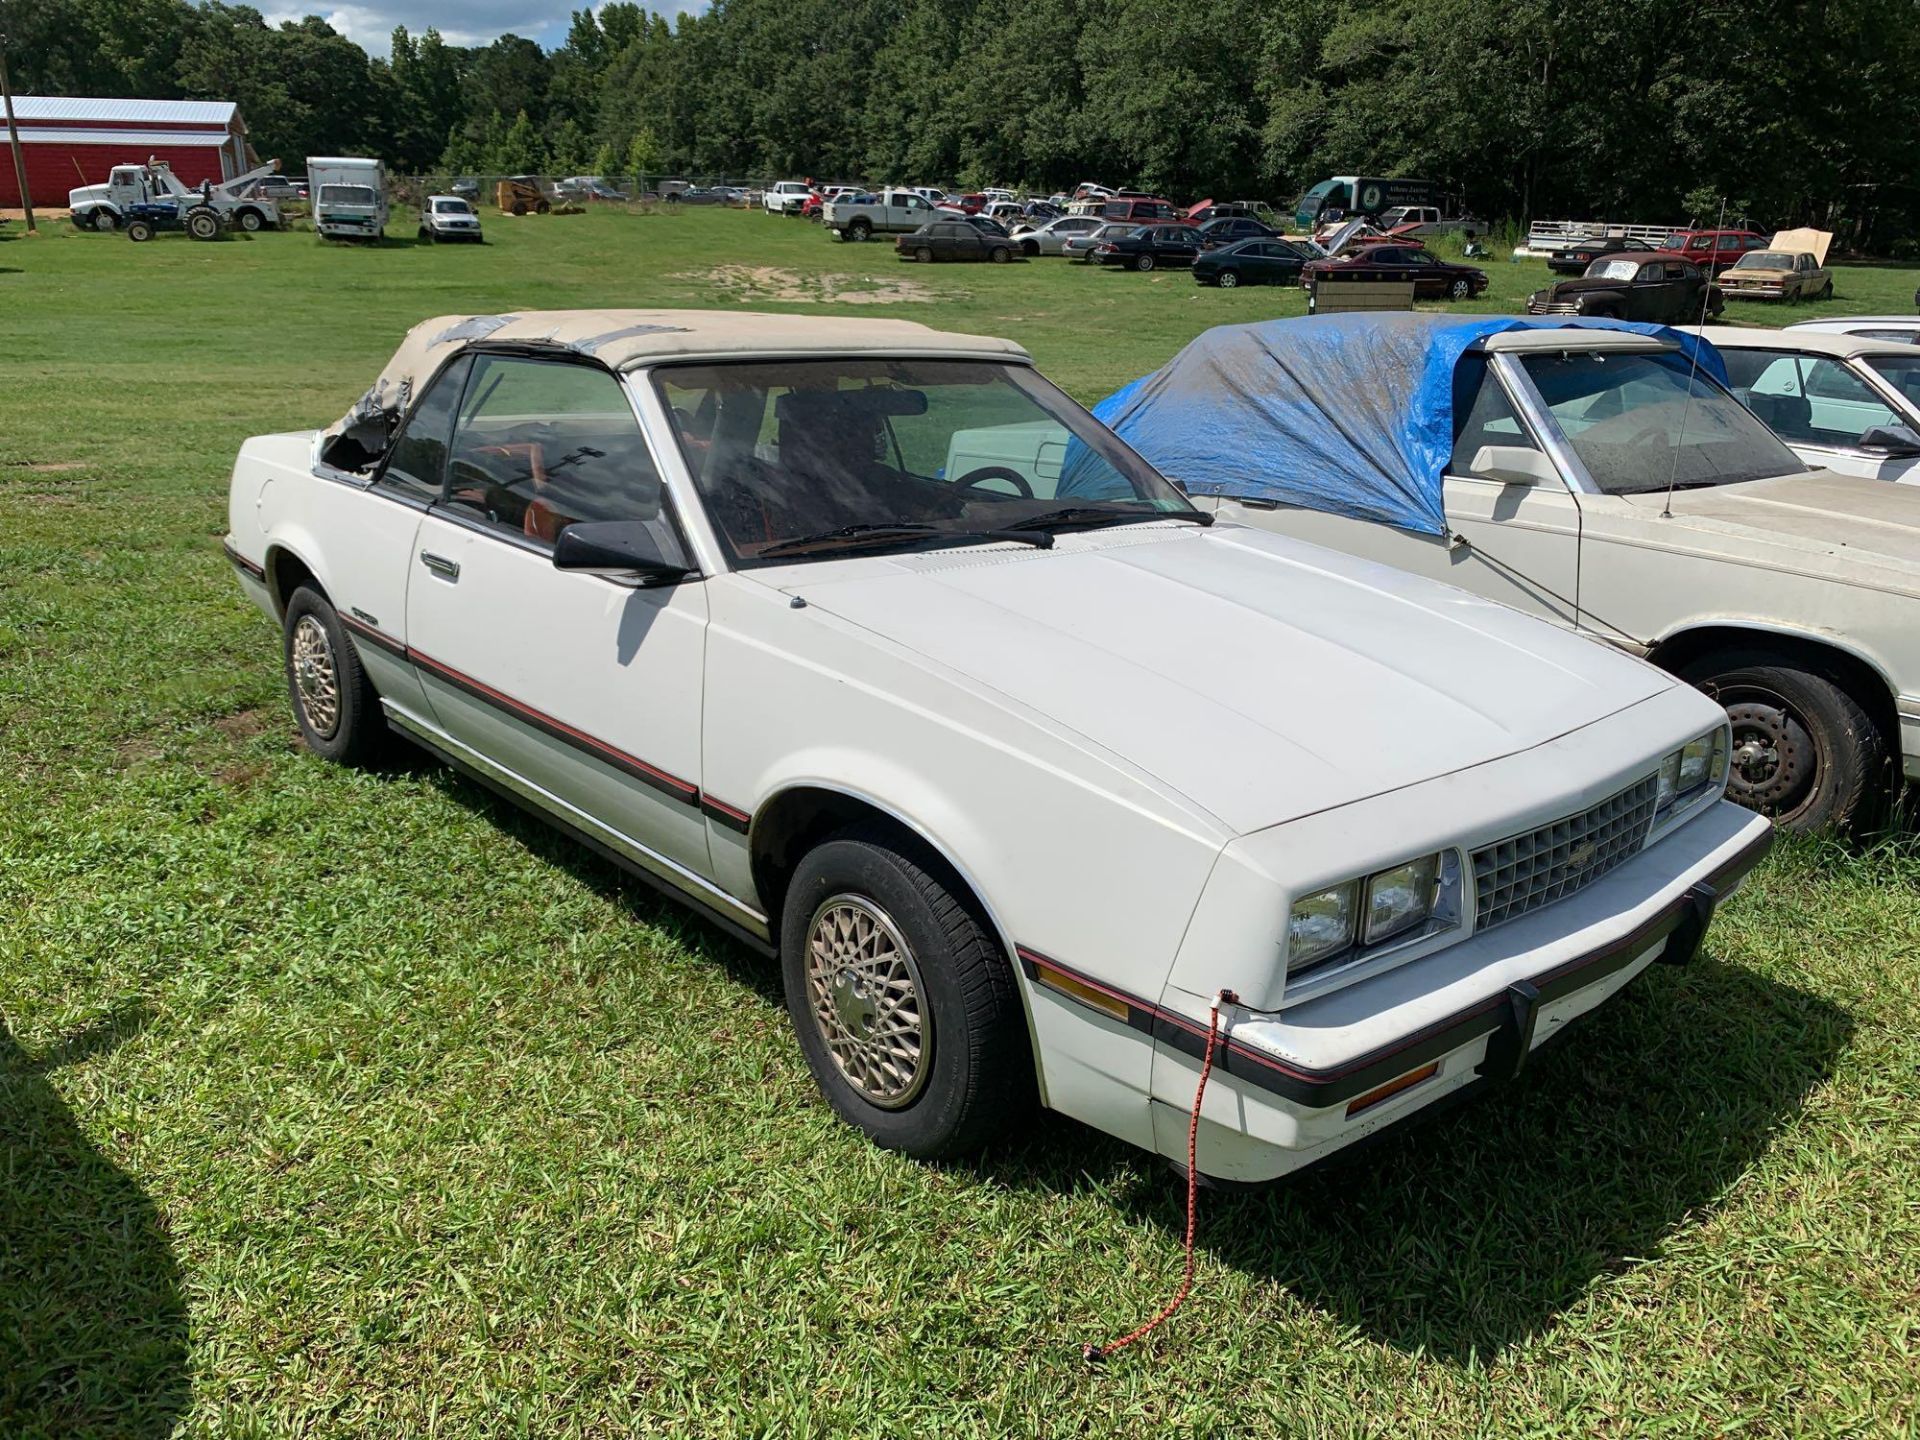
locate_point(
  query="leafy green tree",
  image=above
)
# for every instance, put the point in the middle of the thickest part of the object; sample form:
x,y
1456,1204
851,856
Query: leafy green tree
x,y
519,150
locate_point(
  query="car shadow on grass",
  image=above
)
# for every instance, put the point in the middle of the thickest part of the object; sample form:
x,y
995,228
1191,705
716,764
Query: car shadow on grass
x,y
93,1325
1465,1235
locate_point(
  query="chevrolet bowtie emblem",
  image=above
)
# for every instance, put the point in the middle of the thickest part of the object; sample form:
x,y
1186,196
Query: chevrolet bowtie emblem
x,y
1581,854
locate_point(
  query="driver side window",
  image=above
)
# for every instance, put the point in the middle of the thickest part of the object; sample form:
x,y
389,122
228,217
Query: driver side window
x,y
1482,415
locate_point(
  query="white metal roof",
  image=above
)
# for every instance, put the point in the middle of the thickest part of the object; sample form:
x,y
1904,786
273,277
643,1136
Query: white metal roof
x,y
1809,342
138,141
55,108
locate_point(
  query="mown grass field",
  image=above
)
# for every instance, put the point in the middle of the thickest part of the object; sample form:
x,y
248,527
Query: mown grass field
x,y
336,1103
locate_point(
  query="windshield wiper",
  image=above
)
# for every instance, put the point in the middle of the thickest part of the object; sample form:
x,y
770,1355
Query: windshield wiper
x,y
868,533
1089,517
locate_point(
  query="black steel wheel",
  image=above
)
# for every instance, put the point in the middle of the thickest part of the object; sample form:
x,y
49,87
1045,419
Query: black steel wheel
x,y
1804,751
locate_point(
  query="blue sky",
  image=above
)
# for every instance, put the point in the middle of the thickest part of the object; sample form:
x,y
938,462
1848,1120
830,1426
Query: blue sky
x,y
465,22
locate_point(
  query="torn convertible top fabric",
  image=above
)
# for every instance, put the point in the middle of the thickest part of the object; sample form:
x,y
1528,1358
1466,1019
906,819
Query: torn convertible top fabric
x,y
1350,414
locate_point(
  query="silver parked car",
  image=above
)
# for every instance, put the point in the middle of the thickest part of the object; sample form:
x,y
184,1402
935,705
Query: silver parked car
x,y
1080,247
1050,237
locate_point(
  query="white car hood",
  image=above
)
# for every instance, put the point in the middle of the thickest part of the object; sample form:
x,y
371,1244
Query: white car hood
x,y
1261,677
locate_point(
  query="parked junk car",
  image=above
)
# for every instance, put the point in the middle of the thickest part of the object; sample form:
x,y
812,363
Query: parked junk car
x,y
1904,328
952,237
349,197
786,197
591,187
1660,288
702,195
891,212
448,217
1051,236
1793,267
1841,402
1227,229
1432,277
1150,246
1597,477
1140,211
1575,256
873,647
1714,250
1251,262
1080,247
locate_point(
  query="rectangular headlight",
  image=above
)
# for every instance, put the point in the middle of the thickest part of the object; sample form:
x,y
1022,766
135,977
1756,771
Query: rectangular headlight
x,y
1321,924
1691,773
1400,898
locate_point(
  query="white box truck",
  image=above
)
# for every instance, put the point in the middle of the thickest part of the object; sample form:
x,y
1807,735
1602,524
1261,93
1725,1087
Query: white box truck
x,y
349,197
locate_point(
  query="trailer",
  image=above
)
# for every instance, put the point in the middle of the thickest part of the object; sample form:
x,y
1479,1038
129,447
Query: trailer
x,y
236,201
349,196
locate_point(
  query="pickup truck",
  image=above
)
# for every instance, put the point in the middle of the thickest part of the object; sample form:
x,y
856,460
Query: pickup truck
x,y
891,212
786,198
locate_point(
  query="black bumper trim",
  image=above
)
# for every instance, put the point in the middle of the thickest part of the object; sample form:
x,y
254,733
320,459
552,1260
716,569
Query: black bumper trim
x,y
1682,923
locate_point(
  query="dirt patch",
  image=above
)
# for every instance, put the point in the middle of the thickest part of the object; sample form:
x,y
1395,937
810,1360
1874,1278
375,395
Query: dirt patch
x,y
45,467
240,776
135,750
770,282
244,724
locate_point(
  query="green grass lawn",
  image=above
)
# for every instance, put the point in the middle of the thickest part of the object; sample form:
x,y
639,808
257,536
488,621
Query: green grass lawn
x,y
345,1103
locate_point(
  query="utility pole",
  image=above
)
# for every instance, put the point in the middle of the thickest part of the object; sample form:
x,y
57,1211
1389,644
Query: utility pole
x,y
13,137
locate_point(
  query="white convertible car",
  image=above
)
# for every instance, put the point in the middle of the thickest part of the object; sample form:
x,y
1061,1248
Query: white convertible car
x,y
792,617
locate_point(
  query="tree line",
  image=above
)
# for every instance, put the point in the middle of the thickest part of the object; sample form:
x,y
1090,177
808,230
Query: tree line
x,y
1787,112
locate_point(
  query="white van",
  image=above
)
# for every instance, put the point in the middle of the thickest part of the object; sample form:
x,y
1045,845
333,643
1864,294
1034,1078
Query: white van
x,y
349,197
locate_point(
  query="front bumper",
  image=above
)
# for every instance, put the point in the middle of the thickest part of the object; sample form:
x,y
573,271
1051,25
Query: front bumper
x,y
1294,1086
1752,292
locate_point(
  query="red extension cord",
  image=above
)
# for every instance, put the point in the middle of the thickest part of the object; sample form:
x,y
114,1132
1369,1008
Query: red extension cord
x,y
1094,1353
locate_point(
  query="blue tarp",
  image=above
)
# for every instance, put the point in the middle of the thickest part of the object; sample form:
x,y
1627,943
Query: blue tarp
x,y
1351,414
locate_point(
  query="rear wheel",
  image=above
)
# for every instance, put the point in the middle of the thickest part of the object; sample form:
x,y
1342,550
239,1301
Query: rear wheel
x,y
251,220
543,208
923,255
1804,751
1228,279
904,1004
333,701
1143,262
203,224
859,230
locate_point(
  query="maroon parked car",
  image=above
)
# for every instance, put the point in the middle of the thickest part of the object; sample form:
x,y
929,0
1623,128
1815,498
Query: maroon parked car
x,y
1432,277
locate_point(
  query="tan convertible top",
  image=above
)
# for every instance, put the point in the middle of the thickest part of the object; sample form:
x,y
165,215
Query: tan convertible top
x,y
623,339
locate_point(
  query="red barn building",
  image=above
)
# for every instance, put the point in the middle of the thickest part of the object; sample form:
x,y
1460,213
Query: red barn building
x,y
70,142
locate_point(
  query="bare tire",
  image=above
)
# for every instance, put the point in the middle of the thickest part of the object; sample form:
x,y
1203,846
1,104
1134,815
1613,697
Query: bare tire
x,y
923,255
1461,289
103,220
1804,751
1228,279
203,225
333,701
1144,262
904,1003
139,231
519,207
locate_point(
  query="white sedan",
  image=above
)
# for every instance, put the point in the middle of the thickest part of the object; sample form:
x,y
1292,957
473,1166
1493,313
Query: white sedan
x,y
867,642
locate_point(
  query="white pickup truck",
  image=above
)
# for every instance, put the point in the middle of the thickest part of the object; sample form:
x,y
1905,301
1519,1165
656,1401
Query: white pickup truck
x,y
892,212
786,197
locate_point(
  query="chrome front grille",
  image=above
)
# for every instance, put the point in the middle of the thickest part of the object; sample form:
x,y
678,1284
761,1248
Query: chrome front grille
x,y
1513,876
1552,307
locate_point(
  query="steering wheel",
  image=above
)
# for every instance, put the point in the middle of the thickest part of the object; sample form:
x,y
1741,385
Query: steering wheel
x,y
996,472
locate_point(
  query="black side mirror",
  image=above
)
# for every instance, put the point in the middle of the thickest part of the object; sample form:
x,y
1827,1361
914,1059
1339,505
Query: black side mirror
x,y
1896,442
616,547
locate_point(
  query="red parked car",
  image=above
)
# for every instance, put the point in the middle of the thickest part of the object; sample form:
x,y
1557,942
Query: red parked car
x,y
1713,250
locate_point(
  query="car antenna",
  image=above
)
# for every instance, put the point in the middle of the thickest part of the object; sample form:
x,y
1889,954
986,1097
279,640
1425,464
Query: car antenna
x,y
1693,369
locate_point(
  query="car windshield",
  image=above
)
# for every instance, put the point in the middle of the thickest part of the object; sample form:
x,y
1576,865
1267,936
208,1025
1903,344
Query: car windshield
x,y
1764,260
452,207
1613,269
1902,372
807,459
1639,422
347,194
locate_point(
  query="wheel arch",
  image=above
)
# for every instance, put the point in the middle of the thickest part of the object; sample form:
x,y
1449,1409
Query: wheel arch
x,y
287,570
1862,675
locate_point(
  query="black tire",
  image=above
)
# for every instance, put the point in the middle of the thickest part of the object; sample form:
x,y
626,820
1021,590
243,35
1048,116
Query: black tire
x,y
1461,289
1826,291
543,208
1000,254
924,255
1804,751
104,221
519,207
1143,263
355,731
1030,249
139,231
973,1077
251,221
1228,279
203,224
859,230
